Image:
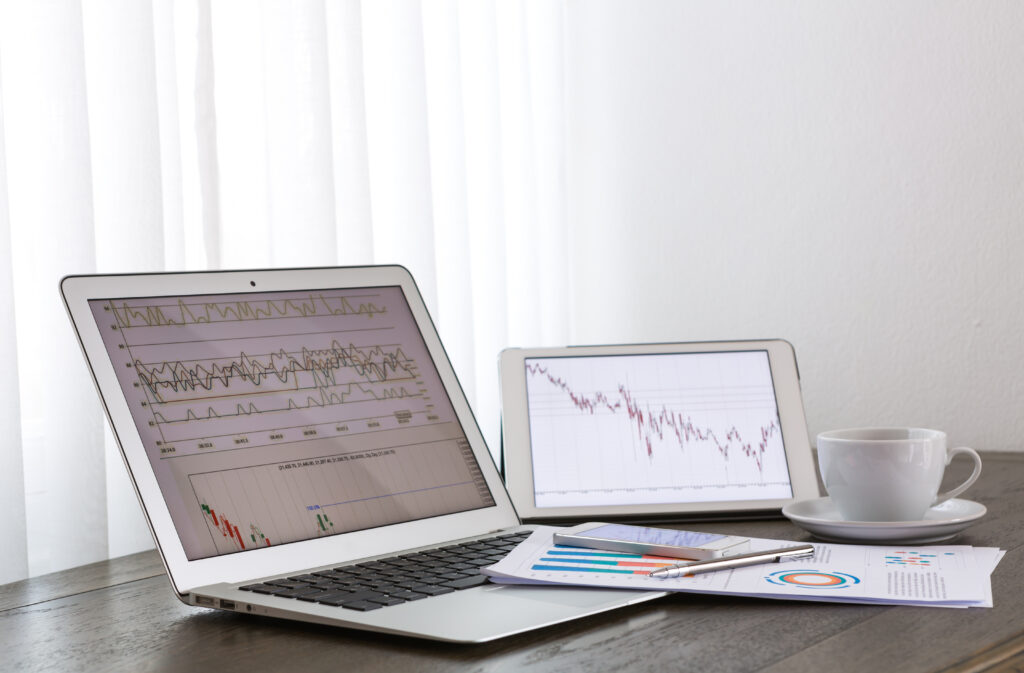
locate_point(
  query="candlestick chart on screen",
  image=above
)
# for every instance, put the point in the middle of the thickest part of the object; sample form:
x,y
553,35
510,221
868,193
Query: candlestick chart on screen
x,y
654,428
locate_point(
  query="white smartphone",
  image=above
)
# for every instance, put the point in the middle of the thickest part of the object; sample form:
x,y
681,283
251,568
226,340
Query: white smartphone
x,y
684,544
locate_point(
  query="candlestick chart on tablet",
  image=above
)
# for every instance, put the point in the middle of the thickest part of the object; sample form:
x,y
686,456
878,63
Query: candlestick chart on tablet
x,y
654,428
275,417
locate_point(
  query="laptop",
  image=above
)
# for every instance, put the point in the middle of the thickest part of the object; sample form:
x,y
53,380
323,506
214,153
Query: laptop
x,y
302,449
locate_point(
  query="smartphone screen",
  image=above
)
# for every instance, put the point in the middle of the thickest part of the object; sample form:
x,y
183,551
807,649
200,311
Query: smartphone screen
x,y
658,536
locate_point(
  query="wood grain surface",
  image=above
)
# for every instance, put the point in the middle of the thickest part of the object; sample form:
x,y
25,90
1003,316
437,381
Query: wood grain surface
x,y
122,615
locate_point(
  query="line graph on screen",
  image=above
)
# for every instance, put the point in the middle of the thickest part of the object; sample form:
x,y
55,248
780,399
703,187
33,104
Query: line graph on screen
x,y
654,428
654,423
263,388
241,373
182,312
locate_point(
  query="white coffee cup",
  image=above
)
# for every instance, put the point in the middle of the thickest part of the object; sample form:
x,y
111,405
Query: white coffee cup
x,y
887,474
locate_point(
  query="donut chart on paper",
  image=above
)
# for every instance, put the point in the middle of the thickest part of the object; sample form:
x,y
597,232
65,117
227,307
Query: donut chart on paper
x,y
812,579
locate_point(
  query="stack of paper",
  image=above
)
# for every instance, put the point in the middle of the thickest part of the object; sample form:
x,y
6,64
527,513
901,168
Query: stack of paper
x,y
939,576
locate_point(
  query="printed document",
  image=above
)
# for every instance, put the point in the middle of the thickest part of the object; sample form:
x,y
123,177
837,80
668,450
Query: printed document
x,y
938,576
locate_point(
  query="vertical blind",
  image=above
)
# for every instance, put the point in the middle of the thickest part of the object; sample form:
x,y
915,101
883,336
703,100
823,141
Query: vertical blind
x,y
213,134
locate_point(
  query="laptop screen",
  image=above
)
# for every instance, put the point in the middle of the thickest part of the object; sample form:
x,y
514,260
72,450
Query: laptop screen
x,y
277,417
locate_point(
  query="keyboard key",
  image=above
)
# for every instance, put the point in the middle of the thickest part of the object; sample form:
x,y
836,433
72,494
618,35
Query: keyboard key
x,y
352,581
498,544
408,595
422,573
467,582
477,547
450,559
332,598
301,591
408,584
362,606
331,575
453,576
364,595
313,598
335,600
287,584
391,572
385,600
387,588
432,590
268,589
433,580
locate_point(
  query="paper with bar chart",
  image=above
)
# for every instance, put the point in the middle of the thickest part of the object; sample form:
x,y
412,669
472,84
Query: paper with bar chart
x,y
940,576
654,428
275,417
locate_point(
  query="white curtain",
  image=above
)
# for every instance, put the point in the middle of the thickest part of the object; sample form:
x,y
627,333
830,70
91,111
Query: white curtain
x,y
140,136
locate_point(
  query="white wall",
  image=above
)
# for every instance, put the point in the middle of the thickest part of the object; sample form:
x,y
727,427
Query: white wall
x,y
848,175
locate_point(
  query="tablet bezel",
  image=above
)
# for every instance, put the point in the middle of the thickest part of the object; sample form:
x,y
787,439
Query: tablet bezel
x,y
517,453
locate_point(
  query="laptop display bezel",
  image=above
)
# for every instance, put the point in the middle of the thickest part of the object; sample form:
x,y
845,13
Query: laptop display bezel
x,y
185,574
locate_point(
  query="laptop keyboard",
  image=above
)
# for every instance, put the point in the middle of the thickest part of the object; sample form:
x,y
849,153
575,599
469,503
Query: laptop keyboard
x,y
396,579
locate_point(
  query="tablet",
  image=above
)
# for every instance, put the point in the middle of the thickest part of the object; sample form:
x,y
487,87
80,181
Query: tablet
x,y
655,431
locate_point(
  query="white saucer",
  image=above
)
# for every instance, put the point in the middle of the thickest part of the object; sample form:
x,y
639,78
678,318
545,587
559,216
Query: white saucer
x,y
942,522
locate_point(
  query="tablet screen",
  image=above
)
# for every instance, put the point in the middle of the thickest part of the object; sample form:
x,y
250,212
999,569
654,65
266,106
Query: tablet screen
x,y
660,428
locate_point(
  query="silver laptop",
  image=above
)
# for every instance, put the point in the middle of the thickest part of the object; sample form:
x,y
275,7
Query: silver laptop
x,y
302,449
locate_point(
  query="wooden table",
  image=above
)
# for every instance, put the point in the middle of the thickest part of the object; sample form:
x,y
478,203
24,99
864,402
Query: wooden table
x,y
121,615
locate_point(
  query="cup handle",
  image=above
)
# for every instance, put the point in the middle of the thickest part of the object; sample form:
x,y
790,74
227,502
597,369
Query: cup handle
x,y
943,497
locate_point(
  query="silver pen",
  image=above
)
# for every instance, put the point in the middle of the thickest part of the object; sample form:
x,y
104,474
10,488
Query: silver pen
x,y
768,556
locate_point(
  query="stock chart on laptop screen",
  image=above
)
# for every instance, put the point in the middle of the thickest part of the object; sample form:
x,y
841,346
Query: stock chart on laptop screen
x,y
276,417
